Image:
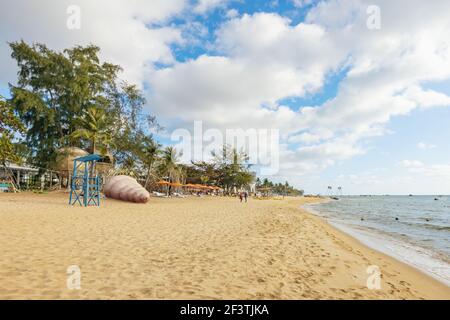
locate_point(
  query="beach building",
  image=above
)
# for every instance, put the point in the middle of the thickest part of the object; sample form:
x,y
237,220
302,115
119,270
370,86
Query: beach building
x,y
17,174
26,177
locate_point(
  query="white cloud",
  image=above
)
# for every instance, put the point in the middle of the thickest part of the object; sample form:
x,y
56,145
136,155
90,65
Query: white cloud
x,y
262,59
301,3
410,164
232,13
426,98
123,30
265,59
435,170
425,146
204,6
360,180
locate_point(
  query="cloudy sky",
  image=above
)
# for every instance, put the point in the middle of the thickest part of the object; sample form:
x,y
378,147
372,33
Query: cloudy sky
x,y
358,104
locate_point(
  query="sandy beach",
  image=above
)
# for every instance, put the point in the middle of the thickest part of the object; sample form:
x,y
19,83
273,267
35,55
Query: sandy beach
x,y
192,248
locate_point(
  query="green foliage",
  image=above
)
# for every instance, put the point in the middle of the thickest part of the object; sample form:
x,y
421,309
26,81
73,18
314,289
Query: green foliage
x,y
234,171
9,124
70,98
7,151
228,169
132,141
169,164
96,128
148,154
8,119
268,187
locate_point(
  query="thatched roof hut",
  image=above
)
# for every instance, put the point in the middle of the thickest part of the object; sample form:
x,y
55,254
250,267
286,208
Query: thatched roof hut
x,y
65,157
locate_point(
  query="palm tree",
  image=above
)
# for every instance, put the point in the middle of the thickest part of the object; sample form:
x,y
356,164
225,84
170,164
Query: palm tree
x,y
204,179
182,173
149,153
94,127
169,164
233,168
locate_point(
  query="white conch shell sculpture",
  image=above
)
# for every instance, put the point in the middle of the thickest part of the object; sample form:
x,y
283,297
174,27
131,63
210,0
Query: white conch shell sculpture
x,y
125,188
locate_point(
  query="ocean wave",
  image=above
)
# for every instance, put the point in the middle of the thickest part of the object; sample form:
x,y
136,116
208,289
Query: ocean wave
x,y
436,227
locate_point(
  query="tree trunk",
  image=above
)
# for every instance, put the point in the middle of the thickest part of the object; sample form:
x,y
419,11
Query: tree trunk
x,y
148,178
93,145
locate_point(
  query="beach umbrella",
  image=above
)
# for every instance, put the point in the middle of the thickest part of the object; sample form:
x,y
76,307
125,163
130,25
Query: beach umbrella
x,y
162,182
190,186
176,184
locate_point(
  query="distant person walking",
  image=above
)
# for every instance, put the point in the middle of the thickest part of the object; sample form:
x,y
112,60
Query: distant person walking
x,y
240,196
245,195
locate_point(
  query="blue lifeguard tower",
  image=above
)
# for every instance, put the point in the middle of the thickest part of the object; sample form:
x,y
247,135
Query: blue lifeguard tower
x,y
85,184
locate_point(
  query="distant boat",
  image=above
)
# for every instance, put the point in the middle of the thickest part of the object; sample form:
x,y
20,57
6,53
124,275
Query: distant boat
x,y
334,198
436,199
410,195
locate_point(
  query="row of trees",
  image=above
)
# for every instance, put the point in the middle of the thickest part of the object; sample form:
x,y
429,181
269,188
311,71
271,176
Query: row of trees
x,y
71,99
228,169
267,186
9,125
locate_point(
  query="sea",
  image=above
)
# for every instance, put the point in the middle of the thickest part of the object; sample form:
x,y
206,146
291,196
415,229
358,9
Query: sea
x,y
412,229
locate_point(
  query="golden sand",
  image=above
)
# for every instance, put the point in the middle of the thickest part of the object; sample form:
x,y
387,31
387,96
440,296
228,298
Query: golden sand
x,y
193,248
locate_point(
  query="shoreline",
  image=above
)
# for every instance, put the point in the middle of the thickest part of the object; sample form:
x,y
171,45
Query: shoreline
x,y
411,268
192,248
380,243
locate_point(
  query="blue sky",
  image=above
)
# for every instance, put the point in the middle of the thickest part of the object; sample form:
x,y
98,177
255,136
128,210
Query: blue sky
x,y
362,108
